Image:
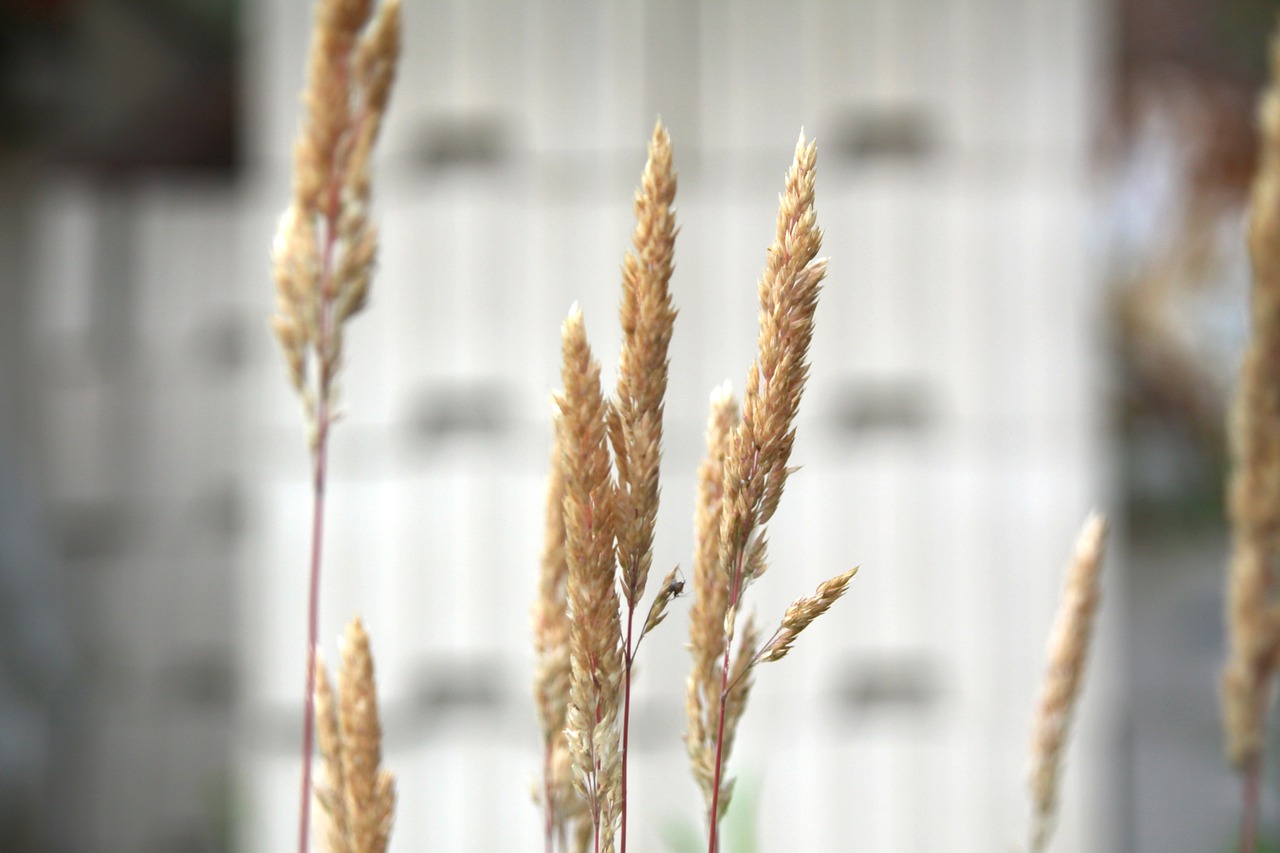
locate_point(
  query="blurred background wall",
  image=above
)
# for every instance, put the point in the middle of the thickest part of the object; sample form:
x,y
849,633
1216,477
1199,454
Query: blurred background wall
x,y
1034,307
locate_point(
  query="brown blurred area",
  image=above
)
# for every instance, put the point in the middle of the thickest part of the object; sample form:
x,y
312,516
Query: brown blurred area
x,y
120,86
1177,159
1177,156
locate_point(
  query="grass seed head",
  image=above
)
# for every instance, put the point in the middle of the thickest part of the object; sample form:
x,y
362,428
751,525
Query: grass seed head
x,y
1068,655
325,246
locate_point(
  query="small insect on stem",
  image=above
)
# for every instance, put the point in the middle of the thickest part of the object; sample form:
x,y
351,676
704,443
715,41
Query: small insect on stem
x,y
672,587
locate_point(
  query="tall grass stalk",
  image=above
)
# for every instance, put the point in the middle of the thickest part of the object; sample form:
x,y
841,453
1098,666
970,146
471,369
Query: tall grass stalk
x,y
754,470
320,456
609,451
635,417
325,250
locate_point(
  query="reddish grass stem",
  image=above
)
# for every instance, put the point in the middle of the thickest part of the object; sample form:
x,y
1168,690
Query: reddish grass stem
x,y
1252,776
320,466
626,722
313,629
549,820
714,844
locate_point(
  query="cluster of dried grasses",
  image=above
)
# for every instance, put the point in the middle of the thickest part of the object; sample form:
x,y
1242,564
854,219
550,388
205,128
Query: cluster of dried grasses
x,y
603,493
603,501
582,682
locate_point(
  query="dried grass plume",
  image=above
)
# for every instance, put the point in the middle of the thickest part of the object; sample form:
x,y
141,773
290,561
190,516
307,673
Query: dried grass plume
x,y
1068,655
607,522
648,319
710,598
551,647
330,788
595,641
326,244
751,455
357,795
756,460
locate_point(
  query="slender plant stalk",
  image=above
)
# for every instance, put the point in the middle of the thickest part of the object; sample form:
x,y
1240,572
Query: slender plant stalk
x,y
755,463
325,250
635,417
713,817
608,521
626,722
319,476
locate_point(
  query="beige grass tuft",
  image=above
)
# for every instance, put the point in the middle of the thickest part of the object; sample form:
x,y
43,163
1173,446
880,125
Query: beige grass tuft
x,y
755,465
710,597
802,612
753,457
550,613
551,645
648,318
1068,656
609,523
326,245
329,790
357,795
595,641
